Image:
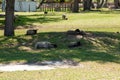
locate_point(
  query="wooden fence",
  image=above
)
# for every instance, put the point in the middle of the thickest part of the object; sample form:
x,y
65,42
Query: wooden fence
x,y
64,7
56,7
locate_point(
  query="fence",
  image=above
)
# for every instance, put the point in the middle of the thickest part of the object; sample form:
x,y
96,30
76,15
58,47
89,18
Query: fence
x,y
66,6
56,7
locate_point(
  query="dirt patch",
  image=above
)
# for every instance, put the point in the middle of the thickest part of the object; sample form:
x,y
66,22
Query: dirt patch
x,y
46,65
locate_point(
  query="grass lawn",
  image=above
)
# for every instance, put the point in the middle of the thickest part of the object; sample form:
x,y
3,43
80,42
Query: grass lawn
x,y
90,21
99,53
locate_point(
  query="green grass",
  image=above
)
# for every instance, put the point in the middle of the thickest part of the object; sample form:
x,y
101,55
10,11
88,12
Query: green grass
x,y
99,53
87,21
103,48
90,21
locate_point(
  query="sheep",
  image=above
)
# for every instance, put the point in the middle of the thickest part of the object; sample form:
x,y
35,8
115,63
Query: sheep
x,y
45,45
31,32
76,32
64,17
45,12
74,44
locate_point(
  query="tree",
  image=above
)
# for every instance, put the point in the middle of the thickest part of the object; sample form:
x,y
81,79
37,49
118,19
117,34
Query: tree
x,y
117,4
87,5
62,1
41,2
9,18
75,7
101,3
0,1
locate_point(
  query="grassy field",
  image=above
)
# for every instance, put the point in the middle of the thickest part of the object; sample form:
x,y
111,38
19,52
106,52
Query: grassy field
x,y
90,21
99,53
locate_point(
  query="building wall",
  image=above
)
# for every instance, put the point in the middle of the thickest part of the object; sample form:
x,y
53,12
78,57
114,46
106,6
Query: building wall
x,y
22,5
25,6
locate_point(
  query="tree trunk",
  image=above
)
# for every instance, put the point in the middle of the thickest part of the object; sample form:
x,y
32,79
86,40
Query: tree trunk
x,y
62,1
41,2
87,5
101,3
117,4
75,7
9,18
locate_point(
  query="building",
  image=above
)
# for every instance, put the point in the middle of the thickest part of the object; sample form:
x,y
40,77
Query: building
x,y
22,5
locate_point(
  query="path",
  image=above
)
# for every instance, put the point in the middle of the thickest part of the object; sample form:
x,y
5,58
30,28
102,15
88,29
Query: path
x,y
46,65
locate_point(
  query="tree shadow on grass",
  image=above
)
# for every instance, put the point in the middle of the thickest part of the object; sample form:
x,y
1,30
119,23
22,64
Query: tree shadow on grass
x,y
30,19
81,54
21,20
1,22
9,55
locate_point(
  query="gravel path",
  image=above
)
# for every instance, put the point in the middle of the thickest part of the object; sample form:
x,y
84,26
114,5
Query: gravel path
x,y
24,67
46,65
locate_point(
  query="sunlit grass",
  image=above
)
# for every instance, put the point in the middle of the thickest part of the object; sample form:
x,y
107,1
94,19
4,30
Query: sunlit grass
x,y
89,21
97,21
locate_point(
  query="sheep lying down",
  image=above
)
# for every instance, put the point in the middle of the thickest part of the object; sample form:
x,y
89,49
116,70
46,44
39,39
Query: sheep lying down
x,y
45,45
